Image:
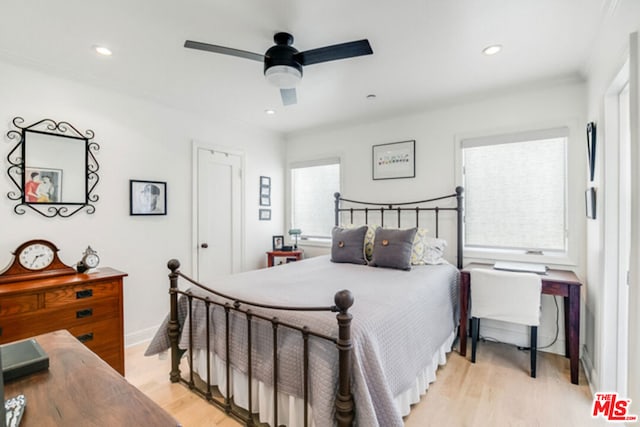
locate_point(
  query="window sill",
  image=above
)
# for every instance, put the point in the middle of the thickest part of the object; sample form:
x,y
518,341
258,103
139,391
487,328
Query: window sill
x,y
558,260
318,243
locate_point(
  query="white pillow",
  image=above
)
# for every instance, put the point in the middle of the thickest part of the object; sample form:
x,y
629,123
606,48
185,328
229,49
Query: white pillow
x,y
434,251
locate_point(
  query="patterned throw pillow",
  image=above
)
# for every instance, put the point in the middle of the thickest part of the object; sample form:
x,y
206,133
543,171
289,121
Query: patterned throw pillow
x,y
419,246
369,237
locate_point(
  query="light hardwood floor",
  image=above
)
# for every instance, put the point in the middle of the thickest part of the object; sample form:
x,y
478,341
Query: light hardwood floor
x,y
496,391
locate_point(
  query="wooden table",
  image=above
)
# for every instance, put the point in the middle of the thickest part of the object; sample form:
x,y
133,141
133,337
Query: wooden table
x,y
79,388
555,282
297,254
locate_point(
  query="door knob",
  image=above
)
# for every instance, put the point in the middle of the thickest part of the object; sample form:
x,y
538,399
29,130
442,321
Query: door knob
x,y
204,245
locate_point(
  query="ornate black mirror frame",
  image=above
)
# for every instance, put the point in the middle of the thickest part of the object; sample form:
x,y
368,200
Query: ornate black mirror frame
x,y
17,171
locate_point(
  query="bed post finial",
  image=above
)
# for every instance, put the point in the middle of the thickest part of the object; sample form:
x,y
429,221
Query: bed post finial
x,y
344,300
337,208
173,329
344,400
173,265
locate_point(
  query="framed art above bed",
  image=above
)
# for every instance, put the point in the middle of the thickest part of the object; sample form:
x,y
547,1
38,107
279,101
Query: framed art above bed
x,y
394,160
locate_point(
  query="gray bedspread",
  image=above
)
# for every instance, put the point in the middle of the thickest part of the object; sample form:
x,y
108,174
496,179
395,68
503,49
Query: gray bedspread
x,y
400,319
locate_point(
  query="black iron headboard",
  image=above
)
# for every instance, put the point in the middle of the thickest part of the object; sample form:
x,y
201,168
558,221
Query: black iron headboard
x,y
403,211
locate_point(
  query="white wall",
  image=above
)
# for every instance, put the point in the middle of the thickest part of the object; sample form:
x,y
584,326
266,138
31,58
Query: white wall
x,y
609,52
435,132
138,140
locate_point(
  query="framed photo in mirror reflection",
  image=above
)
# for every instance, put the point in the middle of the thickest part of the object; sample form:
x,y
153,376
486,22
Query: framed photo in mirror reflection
x,y
43,185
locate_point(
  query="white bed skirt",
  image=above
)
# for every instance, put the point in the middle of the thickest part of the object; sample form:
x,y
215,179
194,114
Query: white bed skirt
x,y
290,408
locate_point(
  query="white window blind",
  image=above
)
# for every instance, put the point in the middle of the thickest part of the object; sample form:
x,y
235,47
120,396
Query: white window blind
x,y
516,191
313,185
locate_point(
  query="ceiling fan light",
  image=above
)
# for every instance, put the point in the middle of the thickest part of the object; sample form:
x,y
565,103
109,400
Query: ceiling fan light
x,y
283,76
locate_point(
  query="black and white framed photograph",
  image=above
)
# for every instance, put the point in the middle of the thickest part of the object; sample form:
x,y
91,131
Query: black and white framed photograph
x,y
264,214
43,185
147,197
278,243
394,160
590,202
265,191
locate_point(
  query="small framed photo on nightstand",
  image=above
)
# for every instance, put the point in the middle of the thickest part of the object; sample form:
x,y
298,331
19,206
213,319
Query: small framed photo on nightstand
x,y
278,243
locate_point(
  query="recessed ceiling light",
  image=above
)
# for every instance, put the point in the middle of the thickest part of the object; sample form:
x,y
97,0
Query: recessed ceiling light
x,y
105,51
492,50
270,112
371,96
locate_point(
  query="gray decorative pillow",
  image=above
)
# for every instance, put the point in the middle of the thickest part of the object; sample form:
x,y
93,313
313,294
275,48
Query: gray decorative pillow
x,y
347,245
392,248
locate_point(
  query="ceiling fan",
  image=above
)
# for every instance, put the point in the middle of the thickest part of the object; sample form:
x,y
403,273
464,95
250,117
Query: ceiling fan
x,y
283,63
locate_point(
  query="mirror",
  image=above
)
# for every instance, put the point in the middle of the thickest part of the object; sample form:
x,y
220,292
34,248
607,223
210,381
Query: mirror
x,y
53,167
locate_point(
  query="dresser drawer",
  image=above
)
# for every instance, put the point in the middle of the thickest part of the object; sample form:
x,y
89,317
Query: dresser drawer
x,y
80,293
18,304
82,314
28,324
99,336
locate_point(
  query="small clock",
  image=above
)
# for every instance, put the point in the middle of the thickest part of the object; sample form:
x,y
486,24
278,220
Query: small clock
x,y
90,258
35,259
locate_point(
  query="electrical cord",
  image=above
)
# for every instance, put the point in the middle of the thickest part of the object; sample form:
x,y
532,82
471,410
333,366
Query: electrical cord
x,y
555,339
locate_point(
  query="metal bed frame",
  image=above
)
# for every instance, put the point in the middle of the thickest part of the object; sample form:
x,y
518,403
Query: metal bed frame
x,y
242,309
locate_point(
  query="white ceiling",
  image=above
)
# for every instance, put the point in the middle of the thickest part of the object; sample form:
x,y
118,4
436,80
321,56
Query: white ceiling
x,y
426,52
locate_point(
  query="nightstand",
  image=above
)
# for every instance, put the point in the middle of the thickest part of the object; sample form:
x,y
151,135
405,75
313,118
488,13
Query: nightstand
x,y
297,255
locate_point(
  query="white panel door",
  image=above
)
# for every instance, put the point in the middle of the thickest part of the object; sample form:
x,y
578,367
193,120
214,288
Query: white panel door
x,y
219,219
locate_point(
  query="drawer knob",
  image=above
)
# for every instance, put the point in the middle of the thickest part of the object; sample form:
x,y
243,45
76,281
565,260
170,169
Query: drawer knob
x,y
86,337
84,313
86,293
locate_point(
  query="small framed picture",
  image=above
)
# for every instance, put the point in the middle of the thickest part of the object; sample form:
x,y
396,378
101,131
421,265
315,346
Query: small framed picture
x,y
278,243
43,185
265,191
590,202
394,160
147,197
264,214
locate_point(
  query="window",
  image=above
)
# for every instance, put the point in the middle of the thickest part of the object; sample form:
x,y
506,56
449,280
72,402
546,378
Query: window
x,y
312,203
516,192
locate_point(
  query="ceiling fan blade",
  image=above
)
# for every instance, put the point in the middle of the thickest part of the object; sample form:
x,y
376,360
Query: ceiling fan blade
x,y
223,50
288,96
334,52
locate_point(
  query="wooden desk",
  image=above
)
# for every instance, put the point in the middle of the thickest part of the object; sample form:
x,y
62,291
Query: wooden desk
x,y
297,254
555,282
79,388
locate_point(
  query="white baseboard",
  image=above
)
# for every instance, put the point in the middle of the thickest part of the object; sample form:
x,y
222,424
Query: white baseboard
x,y
139,337
589,370
520,336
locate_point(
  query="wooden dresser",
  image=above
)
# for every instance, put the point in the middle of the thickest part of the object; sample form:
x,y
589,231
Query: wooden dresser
x,y
89,306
